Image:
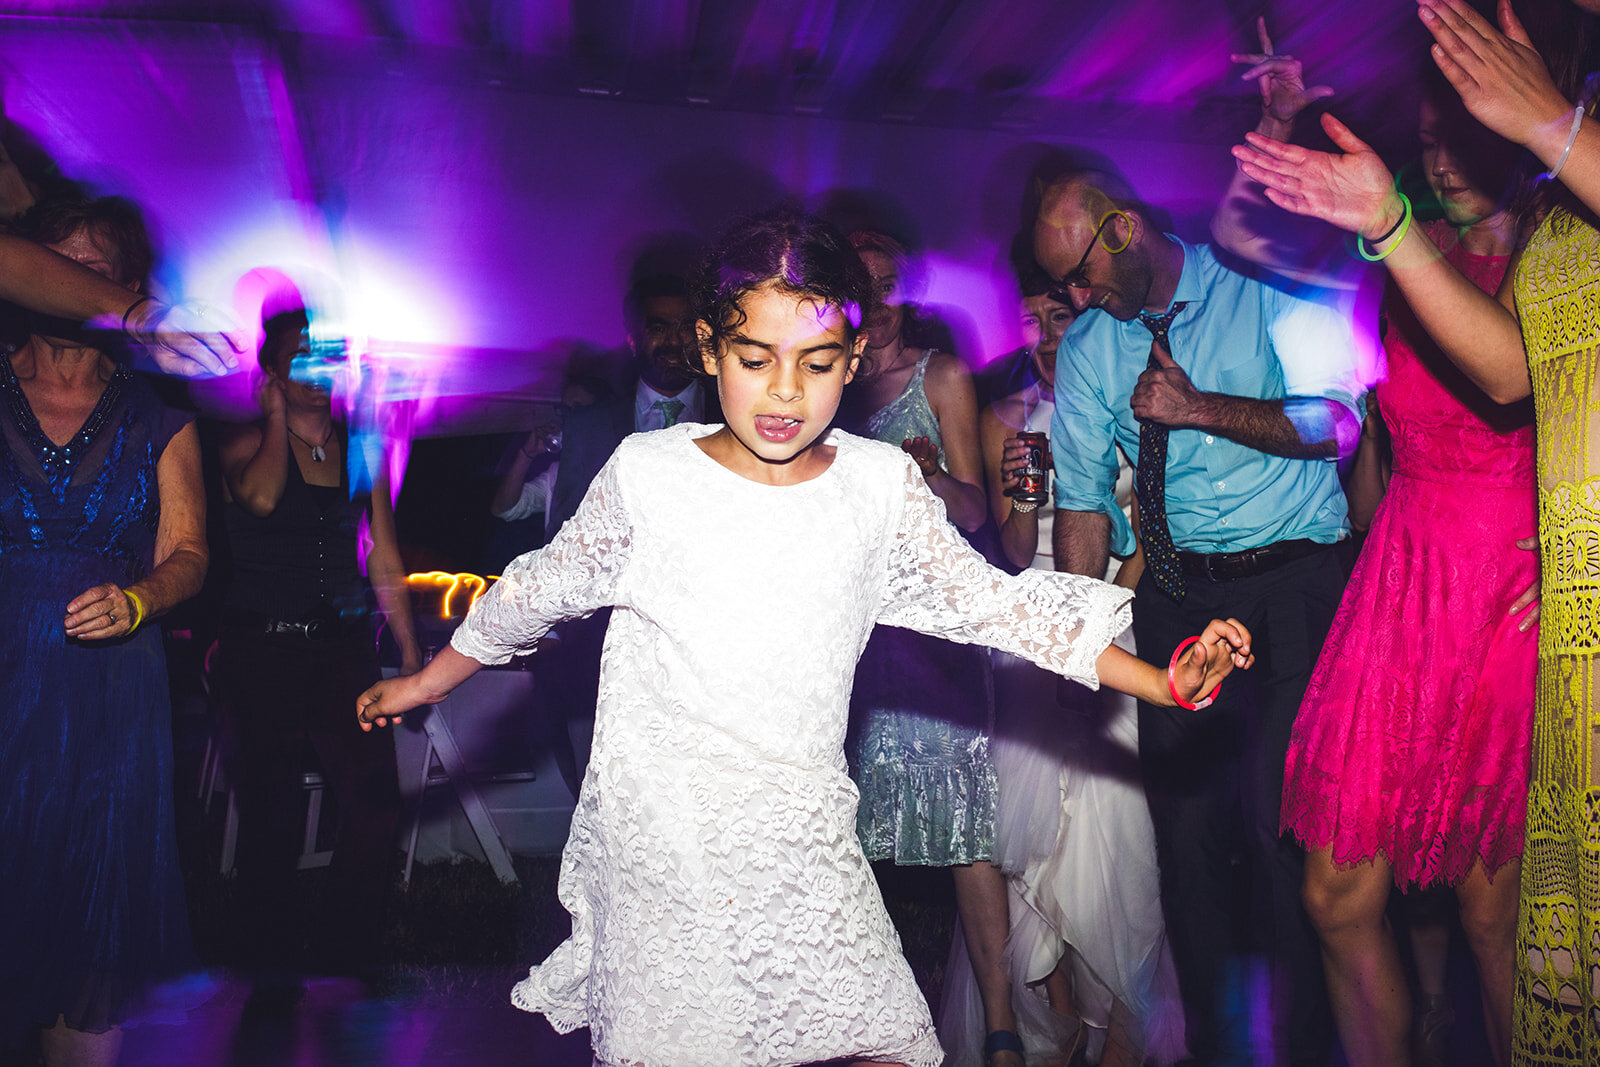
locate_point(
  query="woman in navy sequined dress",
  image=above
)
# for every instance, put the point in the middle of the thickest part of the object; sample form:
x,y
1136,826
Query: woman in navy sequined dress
x,y
101,528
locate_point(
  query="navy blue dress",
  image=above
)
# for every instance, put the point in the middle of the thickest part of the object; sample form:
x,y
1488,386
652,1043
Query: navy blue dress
x,y
92,914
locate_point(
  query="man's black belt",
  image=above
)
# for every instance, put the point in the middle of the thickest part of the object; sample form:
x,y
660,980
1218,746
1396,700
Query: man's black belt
x,y
1229,566
315,630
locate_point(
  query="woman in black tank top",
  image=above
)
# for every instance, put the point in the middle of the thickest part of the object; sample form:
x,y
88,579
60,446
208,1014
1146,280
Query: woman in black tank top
x,y
296,648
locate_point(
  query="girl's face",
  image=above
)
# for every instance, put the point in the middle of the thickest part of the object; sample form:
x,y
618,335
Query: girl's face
x,y
889,316
780,376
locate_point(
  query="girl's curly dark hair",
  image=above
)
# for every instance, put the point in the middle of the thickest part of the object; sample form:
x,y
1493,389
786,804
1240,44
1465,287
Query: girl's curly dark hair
x,y
797,253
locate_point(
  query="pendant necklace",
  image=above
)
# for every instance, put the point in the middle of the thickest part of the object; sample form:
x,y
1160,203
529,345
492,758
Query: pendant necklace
x,y
318,452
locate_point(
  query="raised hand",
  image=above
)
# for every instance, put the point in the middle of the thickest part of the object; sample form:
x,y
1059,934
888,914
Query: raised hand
x,y
1164,394
272,399
180,341
99,614
1224,646
1502,80
1281,79
15,194
543,440
1351,189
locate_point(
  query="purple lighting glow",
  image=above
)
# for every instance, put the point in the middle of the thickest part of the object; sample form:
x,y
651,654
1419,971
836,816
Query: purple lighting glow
x,y
469,222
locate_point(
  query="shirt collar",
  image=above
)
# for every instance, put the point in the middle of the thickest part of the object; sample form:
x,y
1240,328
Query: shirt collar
x,y
1191,288
644,399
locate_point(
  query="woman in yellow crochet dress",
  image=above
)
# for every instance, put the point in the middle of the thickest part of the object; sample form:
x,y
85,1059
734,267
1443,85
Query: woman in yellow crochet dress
x,y
1541,336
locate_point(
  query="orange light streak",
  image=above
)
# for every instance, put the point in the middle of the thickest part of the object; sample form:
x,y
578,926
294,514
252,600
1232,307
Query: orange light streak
x,y
477,583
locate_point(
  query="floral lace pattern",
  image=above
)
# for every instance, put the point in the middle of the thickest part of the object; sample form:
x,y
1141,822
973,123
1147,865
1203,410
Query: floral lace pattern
x,y
722,909
1556,1010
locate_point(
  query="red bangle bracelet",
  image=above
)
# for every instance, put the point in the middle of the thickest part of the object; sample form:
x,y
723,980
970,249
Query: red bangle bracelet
x,y
1172,682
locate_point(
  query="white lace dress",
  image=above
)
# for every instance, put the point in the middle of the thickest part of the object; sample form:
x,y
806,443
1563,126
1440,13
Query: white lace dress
x,y
722,911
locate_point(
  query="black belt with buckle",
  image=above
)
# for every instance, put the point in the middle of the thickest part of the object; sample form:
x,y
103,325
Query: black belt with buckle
x,y
1230,566
315,630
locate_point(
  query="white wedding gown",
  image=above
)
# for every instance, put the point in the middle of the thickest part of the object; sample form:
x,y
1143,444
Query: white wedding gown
x,y
1073,833
722,911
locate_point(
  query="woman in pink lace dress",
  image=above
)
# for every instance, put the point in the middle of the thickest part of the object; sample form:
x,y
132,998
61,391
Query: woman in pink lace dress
x,y
1409,760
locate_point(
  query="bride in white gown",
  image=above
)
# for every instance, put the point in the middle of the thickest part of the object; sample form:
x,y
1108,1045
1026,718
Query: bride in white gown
x,y
1072,829
722,911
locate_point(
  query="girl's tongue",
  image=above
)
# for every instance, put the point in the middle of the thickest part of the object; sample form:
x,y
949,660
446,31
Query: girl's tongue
x,y
774,428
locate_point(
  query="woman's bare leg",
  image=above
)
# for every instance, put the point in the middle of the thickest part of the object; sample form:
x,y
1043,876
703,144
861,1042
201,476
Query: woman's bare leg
x,y
986,920
1365,982
1058,987
1124,1038
1489,919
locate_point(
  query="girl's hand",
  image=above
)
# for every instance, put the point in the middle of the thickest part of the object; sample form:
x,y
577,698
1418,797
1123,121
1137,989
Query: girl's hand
x,y
387,701
1283,88
1223,646
1502,81
1352,190
921,449
1530,595
99,614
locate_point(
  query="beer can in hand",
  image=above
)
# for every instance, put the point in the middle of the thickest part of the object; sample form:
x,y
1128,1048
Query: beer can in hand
x,y
1033,477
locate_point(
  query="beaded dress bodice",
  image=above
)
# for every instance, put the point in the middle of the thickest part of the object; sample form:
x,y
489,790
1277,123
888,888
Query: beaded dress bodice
x,y
66,497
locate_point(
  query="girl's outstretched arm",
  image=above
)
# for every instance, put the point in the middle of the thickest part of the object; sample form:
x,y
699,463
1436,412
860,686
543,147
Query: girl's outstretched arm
x,y
1223,646
391,698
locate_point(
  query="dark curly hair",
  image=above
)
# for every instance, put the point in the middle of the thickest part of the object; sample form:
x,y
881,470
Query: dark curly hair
x,y
798,254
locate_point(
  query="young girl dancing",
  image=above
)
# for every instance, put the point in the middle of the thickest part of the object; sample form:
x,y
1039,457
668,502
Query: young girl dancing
x,y
722,911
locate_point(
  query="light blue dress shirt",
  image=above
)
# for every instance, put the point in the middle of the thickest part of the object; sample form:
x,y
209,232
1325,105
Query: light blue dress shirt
x,y
1239,336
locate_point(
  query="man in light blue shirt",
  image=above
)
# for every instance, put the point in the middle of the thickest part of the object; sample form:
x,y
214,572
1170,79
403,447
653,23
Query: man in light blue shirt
x,y
1234,398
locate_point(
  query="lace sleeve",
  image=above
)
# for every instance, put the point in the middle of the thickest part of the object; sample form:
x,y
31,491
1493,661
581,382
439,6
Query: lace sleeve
x,y
939,585
574,575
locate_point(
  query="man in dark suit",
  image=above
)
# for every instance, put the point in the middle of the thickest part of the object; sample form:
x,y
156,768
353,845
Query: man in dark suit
x,y
663,393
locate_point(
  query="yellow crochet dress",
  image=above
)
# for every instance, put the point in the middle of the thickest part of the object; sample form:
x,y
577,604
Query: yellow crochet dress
x,y
1556,1014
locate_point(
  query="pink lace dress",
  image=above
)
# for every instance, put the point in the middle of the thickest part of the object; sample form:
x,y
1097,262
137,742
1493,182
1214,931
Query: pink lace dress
x,y
1412,741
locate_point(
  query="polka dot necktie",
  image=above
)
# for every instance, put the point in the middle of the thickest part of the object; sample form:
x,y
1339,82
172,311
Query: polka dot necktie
x,y
1150,480
670,410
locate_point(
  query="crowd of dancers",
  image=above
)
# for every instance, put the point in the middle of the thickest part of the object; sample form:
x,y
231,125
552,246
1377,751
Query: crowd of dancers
x,y
802,610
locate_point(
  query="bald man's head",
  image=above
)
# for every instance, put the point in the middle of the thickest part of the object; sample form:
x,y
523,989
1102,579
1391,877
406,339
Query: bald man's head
x,y
1091,236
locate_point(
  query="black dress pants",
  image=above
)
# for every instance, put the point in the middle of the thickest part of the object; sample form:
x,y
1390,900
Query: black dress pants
x,y
285,697
1245,952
